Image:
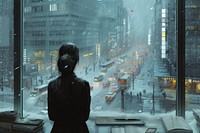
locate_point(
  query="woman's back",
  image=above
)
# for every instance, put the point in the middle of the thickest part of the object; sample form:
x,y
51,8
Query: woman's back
x,y
70,103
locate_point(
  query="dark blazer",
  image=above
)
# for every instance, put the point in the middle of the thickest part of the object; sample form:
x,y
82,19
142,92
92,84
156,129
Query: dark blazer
x,y
69,104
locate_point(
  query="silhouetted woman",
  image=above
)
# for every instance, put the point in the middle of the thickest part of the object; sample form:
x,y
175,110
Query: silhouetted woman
x,y
68,96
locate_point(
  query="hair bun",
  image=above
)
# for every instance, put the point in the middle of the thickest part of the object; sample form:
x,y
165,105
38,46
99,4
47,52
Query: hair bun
x,y
65,64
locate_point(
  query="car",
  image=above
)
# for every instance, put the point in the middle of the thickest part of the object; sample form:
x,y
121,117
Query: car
x,y
114,88
106,83
103,70
98,78
110,96
44,111
33,93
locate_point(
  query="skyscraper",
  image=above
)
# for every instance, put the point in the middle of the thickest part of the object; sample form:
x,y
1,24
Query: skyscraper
x,y
48,24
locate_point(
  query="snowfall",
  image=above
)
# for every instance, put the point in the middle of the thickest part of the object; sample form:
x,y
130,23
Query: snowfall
x,y
150,120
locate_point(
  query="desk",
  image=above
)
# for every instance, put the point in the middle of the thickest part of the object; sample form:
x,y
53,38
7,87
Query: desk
x,y
106,125
22,126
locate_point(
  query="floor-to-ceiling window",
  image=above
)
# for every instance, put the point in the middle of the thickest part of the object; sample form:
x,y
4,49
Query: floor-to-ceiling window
x,y
128,53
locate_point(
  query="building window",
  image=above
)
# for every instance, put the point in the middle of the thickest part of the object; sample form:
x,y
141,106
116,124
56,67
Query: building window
x,y
27,9
53,7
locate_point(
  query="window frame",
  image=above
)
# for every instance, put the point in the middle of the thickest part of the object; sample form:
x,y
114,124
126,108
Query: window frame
x,y
180,58
18,56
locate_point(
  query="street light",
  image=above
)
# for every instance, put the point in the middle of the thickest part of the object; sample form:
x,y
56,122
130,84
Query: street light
x,y
2,75
153,109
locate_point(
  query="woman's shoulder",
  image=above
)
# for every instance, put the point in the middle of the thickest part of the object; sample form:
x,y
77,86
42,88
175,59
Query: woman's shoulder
x,y
82,81
54,81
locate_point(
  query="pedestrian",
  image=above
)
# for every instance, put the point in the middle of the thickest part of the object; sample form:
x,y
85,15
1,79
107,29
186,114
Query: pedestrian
x,y
137,95
68,96
164,95
131,96
140,95
41,80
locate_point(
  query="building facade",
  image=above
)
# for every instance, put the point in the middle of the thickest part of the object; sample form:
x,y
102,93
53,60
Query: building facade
x,y
113,28
192,30
192,27
49,24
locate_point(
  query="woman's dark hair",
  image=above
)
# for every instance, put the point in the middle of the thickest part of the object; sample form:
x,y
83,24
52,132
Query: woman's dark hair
x,y
68,58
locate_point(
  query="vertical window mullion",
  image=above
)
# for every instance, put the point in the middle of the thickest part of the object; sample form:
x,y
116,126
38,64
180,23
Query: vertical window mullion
x,y
18,56
180,84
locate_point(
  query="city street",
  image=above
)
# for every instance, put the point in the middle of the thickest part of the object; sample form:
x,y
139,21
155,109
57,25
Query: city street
x,y
133,103
142,84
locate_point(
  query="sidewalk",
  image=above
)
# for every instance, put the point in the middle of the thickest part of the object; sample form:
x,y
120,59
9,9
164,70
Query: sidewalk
x,y
6,91
144,82
190,98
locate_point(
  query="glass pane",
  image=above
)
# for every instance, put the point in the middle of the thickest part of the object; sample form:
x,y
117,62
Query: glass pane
x,y
6,55
127,53
192,55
